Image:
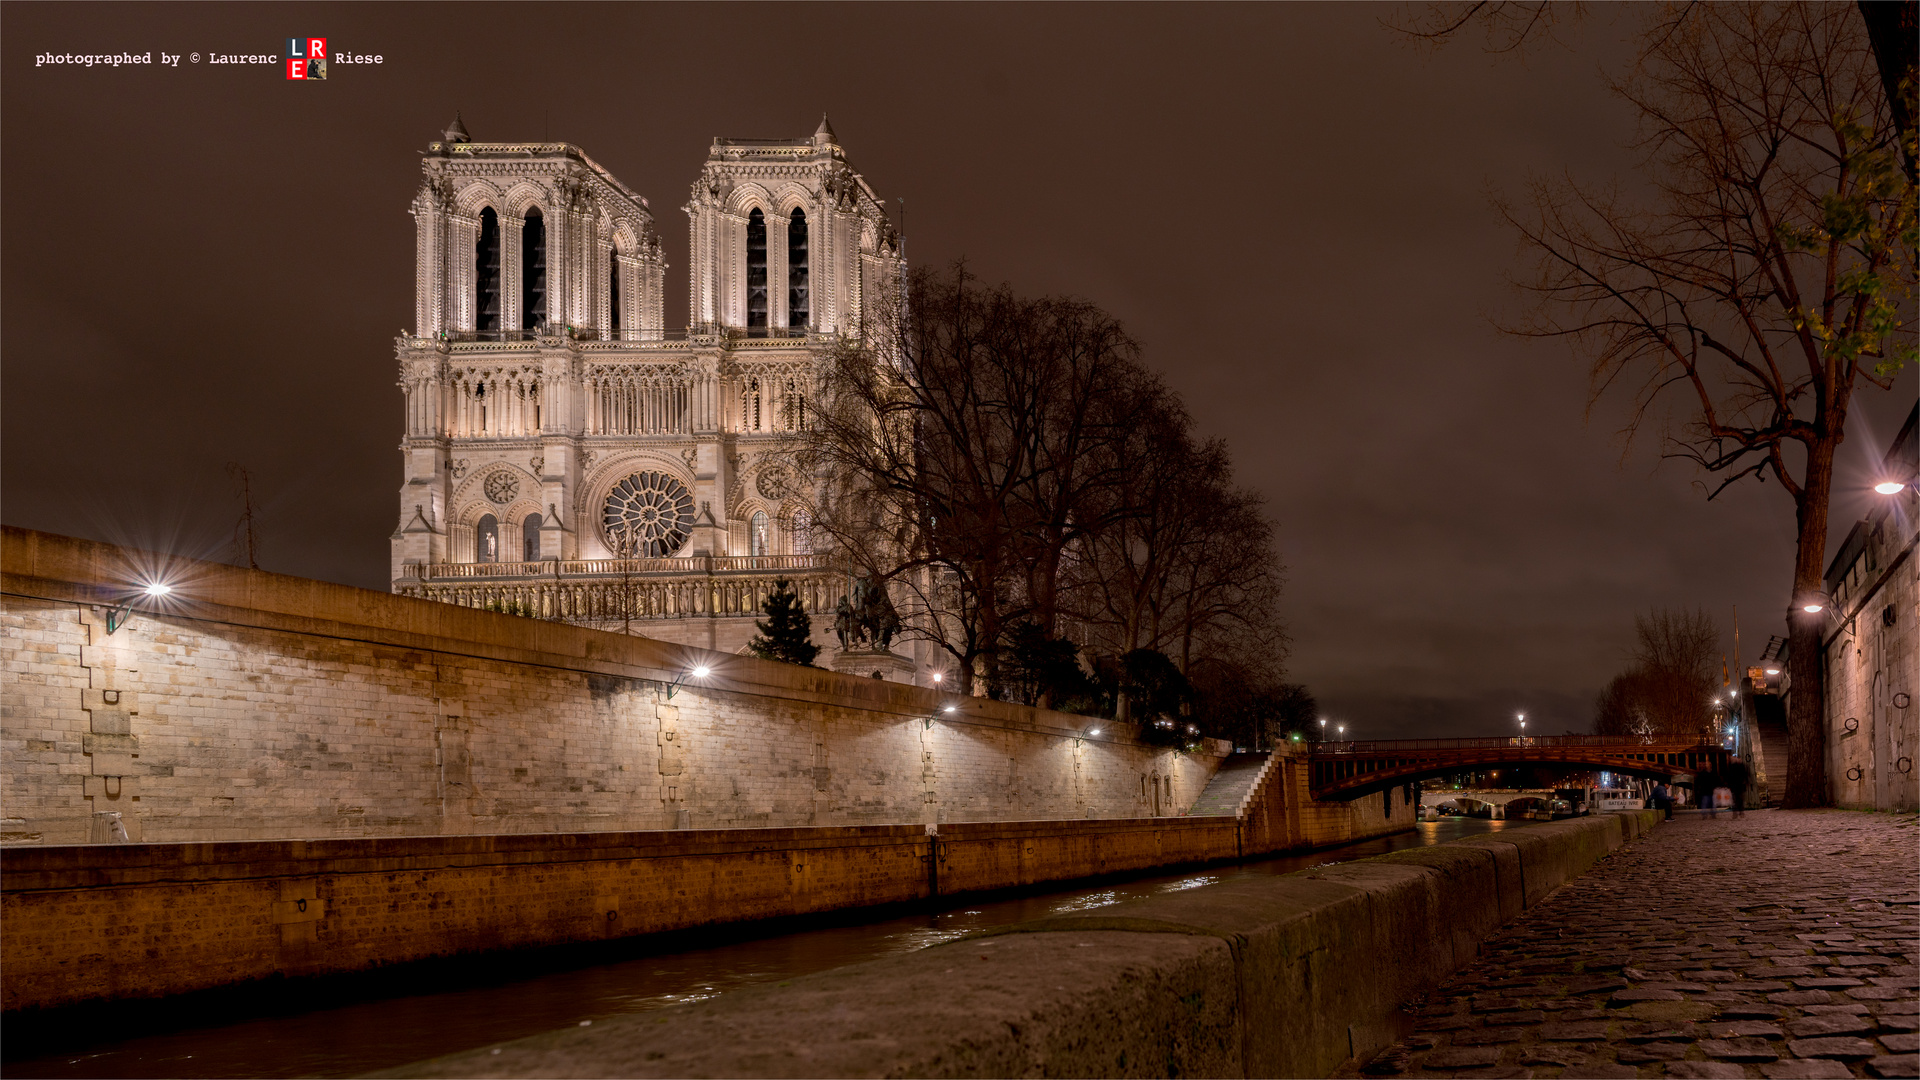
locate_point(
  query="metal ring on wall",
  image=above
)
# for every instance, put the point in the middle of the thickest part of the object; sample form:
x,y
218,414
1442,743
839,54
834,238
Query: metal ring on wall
x,y
1855,773
1901,700
1852,724
1905,765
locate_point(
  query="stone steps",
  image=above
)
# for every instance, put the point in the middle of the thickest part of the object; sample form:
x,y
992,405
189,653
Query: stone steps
x,y
1229,787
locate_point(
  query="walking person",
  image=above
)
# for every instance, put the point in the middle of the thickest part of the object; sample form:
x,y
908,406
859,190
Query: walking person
x,y
1706,788
1736,778
1663,799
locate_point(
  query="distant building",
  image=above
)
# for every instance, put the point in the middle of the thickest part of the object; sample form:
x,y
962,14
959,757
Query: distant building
x,y
1872,646
566,456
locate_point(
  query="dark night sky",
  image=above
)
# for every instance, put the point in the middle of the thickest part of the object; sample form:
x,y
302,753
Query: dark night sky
x,y
1287,205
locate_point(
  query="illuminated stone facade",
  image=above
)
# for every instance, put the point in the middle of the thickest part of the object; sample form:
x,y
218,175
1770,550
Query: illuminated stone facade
x,y
568,457
1872,667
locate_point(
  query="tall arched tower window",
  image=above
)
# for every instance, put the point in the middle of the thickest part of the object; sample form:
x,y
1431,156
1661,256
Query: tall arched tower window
x,y
797,285
613,289
756,270
757,534
486,540
533,270
530,538
486,263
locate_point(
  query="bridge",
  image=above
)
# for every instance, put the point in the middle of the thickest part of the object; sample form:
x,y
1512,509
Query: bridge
x,y
1348,770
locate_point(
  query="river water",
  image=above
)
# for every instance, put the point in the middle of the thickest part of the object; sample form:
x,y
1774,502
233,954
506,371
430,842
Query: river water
x,y
344,1027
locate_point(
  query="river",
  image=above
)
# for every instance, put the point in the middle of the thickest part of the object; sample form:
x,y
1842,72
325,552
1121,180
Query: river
x,y
352,1025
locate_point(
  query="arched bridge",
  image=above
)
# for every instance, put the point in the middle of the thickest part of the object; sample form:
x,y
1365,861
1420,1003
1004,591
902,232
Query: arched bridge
x,y
1348,770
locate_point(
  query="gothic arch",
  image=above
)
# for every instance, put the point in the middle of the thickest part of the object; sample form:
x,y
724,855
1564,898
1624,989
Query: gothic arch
x,y
790,195
477,196
741,200
626,238
470,495
523,195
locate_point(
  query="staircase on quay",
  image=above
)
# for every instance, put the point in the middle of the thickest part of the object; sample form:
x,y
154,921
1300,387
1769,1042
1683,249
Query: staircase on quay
x,y
1230,786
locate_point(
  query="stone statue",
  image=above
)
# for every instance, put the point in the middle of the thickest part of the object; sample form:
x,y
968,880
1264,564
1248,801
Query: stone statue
x,y
843,623
882,621
866,619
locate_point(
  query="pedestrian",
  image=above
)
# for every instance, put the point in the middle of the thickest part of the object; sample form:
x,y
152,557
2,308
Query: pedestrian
x,y
1737,779
1663,799
1706,785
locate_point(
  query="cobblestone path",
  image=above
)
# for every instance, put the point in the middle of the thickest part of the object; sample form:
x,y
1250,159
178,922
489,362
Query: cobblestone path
x,y
1779,944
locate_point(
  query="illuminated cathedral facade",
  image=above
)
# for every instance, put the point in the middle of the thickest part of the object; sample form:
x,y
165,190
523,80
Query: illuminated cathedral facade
x,y
568,457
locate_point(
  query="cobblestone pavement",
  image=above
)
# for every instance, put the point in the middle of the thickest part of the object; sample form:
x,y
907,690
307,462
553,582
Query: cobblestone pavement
x,y
1778,944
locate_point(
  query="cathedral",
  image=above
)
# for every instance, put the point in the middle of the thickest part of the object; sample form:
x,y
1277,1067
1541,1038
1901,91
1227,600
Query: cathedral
x,y
566,456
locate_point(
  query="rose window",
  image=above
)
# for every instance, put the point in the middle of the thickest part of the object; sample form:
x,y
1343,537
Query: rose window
x,y
648,515
774,483
502,487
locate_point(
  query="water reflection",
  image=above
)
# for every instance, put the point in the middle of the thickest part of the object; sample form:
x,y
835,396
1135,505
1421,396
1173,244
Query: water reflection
x,y
379,1030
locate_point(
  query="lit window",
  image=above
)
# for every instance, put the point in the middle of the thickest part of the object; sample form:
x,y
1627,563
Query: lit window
x,y
757,534
486,540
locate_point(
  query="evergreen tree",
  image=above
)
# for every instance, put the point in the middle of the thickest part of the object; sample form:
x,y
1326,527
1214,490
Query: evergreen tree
x,y
787,632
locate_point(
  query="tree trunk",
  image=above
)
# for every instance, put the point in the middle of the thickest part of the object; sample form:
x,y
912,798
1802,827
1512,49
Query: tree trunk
x,y
1806,712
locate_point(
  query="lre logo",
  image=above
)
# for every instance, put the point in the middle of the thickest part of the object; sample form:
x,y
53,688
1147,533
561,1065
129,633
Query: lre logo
x,y
307,58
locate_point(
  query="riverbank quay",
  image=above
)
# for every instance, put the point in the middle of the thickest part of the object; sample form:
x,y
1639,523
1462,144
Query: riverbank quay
x,y
1777,944
1283,976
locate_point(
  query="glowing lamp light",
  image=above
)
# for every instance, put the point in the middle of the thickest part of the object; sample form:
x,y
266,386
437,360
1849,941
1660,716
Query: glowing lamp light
x,y
1095,731
1812,609
699,672
1889,487
947,709
937,676
1773,671
159,588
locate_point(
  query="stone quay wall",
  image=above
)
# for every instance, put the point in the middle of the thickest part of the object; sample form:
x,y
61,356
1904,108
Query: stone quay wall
x,y
1282,976
91,922
254,706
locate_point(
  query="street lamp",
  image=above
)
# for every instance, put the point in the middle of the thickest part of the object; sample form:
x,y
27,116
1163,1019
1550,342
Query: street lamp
x,y
117,616
1343,731
699,671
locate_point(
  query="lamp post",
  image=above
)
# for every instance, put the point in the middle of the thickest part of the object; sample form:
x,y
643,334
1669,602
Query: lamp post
x,y
1523,727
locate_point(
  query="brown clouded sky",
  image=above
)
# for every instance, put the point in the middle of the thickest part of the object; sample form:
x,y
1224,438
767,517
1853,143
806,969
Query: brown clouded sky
x,y
1287,205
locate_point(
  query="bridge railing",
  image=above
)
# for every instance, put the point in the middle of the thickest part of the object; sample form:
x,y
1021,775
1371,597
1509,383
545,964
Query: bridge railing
x,y
1387,746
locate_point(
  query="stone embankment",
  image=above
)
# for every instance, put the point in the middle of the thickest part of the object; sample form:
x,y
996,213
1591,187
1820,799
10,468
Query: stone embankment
x,y
1778,944
1285,976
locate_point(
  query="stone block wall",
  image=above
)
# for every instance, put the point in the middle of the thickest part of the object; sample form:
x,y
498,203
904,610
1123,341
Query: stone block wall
x,y
253,706
1872,674
148,920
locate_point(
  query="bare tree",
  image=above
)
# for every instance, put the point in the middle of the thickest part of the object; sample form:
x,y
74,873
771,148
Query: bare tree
x,y
1669,688
1507,25
923,447
245,539
1769,277
1011,466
